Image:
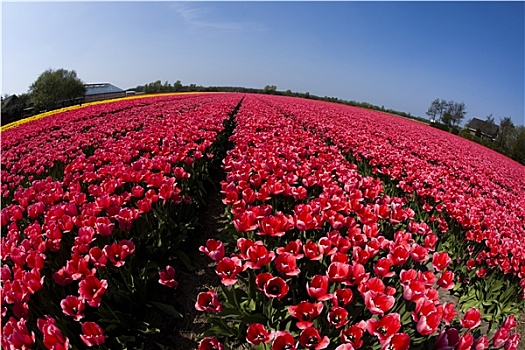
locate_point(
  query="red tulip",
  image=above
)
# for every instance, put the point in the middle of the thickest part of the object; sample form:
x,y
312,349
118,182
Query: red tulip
x,y
21,310
399,255
276,287
378,303
287,265
419,254
78,267
356,275
465,341
126,217
481,343
399,341
304,218
227,269
275,226
53,337
353,335
258,256
382,268
34,210
338,317
446,280
472,318
62,277
317,288
91,290
93,334
97,257
305,312
510,323
428,324
342,297
257,334
449,313
137,192
293,247
414,290
104,226
430,241
313,251
385,327
500,337
73,306
15,335
214,249
338,272
210,343
117,252
245,222
345,346
440,261
167,278
512,342
208,302
283,341
261,279
310,338
243,245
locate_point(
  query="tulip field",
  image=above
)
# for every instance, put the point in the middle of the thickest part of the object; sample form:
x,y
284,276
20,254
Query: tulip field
x,y
342,228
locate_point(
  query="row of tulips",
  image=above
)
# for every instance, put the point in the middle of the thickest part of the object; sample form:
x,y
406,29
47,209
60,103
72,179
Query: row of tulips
x,y
478,188
474,193
321,257
35,150
83,244
323,253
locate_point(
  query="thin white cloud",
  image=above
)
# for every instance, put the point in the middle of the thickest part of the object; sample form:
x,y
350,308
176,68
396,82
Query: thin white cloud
x,y
196,16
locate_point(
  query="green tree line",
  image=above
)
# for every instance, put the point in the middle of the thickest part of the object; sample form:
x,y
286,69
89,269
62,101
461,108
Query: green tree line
x,y
57,88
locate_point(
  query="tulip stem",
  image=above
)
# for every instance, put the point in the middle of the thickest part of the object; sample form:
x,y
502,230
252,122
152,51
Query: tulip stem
x,y
235,297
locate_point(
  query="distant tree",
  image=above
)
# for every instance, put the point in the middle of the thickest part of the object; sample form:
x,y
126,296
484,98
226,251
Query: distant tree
x,y
446,118
433,109
518,148
167,87
455,112
157,86
177,86
506,133
54,86
490,119
270,89
437,109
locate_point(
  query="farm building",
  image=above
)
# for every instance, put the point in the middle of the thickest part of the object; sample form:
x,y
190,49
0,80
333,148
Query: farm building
x,y
102,91
484,129
8,109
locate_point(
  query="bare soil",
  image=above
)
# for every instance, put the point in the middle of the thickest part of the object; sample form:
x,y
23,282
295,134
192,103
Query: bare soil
x,y
521,331
184,333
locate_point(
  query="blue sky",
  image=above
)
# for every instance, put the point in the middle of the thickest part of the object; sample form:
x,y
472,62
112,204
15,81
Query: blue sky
x,y
401,55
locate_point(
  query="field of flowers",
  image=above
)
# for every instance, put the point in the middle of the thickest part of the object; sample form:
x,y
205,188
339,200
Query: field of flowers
x,y
342,228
